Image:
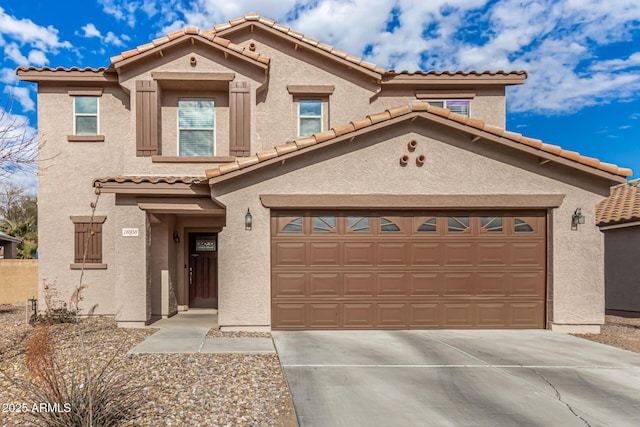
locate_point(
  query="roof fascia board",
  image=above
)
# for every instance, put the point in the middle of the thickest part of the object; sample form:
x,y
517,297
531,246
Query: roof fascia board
x,y
160,188
67,76
633,223
461,80
300,43
411,201
524,148
183,39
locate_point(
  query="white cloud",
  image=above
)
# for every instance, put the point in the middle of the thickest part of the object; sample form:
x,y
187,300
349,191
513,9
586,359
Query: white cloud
x,y
22,95
617,64
113,39
27,32
90,30
8,76
37,57
12,51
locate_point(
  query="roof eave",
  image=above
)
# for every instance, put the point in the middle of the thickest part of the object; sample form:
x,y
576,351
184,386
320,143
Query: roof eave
x,y
182,39
460,79
60,75
300,43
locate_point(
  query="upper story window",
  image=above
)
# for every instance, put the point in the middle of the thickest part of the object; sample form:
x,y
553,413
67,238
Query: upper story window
x,y
85,115
196,132
309,116
456,106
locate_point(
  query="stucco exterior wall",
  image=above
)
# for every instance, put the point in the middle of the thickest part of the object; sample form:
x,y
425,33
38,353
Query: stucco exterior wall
x,y
370,165
622,270
18,280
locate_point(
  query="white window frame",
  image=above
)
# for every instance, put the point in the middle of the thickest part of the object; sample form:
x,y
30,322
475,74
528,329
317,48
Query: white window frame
x,y
446,101
97,115
320,117
178,123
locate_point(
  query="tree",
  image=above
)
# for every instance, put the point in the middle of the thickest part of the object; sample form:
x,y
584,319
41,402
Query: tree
x,y
18,144
19,218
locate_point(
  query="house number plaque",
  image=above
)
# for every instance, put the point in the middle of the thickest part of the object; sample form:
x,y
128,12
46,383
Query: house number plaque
x,y
130,232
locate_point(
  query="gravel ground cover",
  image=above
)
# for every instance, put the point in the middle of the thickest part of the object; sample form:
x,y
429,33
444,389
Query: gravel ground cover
x,y
178,389
621,332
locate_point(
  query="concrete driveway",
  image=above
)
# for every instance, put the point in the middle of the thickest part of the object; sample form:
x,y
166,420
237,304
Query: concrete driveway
x,y
458,378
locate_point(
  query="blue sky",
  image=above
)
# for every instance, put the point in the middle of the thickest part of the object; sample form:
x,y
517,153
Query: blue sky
x,y
583,56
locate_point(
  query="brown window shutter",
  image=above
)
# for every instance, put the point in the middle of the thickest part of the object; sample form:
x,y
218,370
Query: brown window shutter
x,y
147,131
239,119
82,237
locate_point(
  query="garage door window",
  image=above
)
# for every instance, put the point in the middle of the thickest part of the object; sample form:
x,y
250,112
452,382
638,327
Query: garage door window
x,y
358,224
521,226
457,224
386,225
429,226
294,226
324,224
491,224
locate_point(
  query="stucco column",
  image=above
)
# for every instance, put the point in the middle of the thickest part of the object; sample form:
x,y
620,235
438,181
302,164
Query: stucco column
x,y
132,287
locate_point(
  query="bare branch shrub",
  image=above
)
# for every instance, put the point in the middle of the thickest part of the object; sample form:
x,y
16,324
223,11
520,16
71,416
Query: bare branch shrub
x,y
19,145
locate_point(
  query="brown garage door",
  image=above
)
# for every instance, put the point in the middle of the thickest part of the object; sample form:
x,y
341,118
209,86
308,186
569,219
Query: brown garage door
x,y
358,270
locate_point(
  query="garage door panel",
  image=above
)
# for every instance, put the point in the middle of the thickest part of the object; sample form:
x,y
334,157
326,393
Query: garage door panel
x,y
529,284
359,253
459,284
491,315
324,316
358,316
492,284
459,254
359,284
392,284
324,253
324,284
391,315
529,254
290,316
359,270
392,253
290,253
427,254
426,284
426,315
289,285
492,253
526,315
459,315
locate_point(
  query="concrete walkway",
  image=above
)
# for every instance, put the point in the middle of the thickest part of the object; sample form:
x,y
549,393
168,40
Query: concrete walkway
x,y
458,378
186,332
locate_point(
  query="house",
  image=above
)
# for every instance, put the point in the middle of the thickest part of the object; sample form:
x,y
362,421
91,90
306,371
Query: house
x,y
618,217
8,246
291,185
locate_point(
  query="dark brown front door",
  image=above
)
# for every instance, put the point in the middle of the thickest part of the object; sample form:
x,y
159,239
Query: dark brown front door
x,y
203,270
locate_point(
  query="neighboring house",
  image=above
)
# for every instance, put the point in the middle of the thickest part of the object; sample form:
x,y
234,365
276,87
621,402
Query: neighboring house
x,y
291,185
8,246
618,217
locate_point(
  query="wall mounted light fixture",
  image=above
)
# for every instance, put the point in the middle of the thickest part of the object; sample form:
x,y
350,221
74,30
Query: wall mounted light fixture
x,y
248,220
176,237
576,218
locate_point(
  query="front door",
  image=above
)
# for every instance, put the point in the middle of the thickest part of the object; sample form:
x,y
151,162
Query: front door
x,y
203,270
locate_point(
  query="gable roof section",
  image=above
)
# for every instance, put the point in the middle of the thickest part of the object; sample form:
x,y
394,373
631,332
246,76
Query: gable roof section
x,y
185,34
622,205
255,19
478,128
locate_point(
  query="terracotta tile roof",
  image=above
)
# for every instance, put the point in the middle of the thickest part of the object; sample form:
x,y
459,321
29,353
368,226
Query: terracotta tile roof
x,y
456,73
622,205
152,179
255,18
419,108
84,70
193,32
